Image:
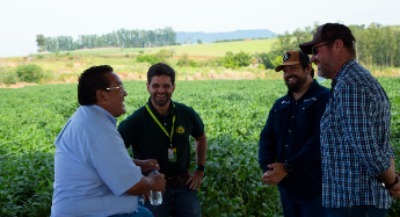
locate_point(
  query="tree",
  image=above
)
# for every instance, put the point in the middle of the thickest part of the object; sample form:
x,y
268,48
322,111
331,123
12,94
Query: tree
x,y
41,42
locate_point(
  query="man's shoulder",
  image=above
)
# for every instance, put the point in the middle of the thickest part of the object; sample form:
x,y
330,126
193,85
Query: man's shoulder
x,y
281,101
355,74
321,90
183,107
137,114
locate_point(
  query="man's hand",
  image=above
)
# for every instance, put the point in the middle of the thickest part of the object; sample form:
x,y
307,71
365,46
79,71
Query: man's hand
x,y
147,165
274,175
395,190
195,180
157,181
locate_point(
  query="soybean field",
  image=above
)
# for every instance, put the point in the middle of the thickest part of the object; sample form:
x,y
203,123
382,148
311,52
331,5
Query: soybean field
x,y
234,113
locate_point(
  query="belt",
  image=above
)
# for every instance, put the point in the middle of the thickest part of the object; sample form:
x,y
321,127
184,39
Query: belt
x,y
178,179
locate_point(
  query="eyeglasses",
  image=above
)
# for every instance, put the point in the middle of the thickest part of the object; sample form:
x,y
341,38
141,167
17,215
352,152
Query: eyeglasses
x,y
121,88
315,48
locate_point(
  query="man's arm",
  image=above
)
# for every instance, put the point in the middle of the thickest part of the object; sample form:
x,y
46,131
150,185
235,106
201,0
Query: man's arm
x,y
362,115
201,150
147,165
267,144
155,182
196,179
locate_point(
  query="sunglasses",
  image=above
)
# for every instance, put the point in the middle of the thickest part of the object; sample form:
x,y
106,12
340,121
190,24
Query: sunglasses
x,y
315,48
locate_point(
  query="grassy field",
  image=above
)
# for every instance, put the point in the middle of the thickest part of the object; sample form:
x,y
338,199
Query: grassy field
x,y
64,67
202,51
234,113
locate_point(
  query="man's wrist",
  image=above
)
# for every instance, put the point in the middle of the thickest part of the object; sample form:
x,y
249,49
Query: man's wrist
x,y
395,182
200,168
287,167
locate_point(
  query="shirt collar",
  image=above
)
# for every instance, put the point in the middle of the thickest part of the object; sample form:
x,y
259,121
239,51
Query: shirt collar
x,y
344,68
104,112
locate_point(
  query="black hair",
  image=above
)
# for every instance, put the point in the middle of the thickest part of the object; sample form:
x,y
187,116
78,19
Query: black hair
x,y
91,80
312,72
305,61
160,69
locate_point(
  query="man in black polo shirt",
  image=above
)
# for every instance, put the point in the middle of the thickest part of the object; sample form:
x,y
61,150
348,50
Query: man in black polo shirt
x,y
160,130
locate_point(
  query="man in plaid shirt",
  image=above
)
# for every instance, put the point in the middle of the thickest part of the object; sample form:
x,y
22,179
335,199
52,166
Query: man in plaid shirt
x,y
358,171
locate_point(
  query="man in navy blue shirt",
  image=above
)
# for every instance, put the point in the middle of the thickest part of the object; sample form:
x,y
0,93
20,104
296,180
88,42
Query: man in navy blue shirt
x,y
289,147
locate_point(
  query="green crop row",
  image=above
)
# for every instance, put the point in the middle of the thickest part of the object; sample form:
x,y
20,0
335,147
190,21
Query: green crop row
x,y
234,113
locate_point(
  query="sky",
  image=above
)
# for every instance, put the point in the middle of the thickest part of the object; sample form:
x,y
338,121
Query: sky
x,y
22,20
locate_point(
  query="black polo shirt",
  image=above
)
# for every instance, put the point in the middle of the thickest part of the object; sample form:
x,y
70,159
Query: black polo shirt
x,y
149,141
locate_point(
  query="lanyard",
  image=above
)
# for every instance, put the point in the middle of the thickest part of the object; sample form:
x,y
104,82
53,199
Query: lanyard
x,y
161,126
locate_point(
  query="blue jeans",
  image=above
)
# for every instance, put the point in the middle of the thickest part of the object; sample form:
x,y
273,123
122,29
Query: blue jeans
x,y
140,212
300,207
178,201
356,211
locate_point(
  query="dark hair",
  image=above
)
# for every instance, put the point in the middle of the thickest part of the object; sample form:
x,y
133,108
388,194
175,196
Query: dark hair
x,y
91,80
304,59
312,72
160,69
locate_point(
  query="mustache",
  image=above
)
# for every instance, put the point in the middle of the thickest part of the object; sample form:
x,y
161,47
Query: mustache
x,y
290,76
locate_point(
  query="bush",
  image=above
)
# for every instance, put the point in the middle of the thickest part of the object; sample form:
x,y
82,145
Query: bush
x,y
185,61
8,76
30,73
148,58
240,59
160,56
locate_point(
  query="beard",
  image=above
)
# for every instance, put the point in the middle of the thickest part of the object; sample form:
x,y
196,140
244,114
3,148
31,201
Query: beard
x,y
161,100
294,86
322,72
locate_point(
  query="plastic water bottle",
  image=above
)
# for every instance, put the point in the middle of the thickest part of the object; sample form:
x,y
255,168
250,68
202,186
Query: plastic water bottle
x,y
155,196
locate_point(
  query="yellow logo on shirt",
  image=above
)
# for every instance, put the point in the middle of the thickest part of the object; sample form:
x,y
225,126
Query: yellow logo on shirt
x,y
180,130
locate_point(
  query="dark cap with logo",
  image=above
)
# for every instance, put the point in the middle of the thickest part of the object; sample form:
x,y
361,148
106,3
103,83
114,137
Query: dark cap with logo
x,y
329,32
293,58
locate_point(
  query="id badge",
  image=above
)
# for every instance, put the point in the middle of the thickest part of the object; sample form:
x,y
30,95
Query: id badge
x,y
172,154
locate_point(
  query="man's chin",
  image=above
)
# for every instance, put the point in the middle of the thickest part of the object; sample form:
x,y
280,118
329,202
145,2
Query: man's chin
x,y
161,103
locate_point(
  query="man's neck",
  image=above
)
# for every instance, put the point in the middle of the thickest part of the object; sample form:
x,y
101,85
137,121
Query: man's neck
x,y
297,95
162,110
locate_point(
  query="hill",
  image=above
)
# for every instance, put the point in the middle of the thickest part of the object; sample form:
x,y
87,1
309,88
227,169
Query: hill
x,y
204,37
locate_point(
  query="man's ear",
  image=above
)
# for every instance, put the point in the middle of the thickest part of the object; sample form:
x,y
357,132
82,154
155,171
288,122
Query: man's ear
x,y
101,96
309,69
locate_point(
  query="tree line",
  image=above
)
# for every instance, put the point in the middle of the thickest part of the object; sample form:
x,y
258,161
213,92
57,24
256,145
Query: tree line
x,y
121,38
376,44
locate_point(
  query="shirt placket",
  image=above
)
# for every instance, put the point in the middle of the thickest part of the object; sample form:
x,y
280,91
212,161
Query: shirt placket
x,y
289,130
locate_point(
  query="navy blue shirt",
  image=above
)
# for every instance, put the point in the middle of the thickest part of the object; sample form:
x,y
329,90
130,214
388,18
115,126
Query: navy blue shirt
x,y
292,135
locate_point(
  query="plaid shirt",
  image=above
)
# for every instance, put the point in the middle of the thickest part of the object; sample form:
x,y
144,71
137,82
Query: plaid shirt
x,y
355,145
